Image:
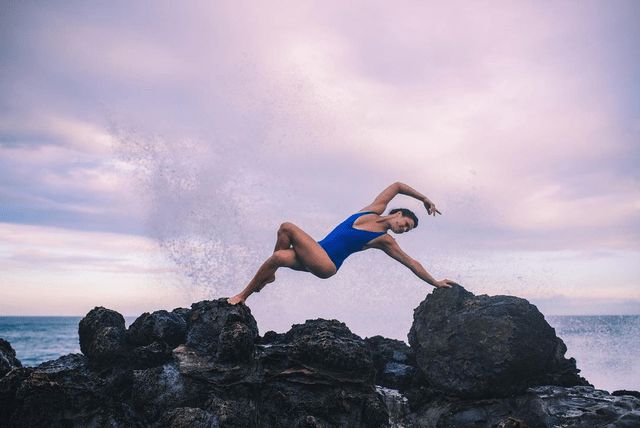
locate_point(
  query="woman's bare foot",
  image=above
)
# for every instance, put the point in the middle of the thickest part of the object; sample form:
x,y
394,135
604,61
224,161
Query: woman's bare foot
x,y
235,300
268,281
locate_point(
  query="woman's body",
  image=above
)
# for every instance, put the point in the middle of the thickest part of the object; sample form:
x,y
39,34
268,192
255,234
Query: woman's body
x,y
297,250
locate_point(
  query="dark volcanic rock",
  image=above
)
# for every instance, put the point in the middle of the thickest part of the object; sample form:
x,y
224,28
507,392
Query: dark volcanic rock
x,y
159,326
9,385
66,392
482,346
330,345
207,367
621,392
188,417
322,375
394,362
149,356
103,336
8,358
222,331
540,407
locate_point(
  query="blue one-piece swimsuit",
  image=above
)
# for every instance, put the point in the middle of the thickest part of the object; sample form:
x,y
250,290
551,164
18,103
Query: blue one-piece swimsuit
x,y
345,240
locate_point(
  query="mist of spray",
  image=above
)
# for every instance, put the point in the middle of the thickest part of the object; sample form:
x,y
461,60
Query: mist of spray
x,y
197,207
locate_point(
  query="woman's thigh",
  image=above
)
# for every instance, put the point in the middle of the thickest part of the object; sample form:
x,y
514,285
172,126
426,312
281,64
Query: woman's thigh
x,y
309,253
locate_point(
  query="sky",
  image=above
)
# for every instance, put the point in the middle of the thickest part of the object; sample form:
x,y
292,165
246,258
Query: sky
x,y
149,153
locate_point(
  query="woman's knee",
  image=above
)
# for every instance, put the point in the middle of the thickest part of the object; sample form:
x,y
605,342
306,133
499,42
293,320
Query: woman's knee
x,y
325,273
281,258
286,227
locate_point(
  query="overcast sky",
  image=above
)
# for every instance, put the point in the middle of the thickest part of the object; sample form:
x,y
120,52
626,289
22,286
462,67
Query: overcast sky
x,y
149,153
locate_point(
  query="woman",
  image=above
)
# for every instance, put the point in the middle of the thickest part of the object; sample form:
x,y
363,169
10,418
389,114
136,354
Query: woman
x,y
363,230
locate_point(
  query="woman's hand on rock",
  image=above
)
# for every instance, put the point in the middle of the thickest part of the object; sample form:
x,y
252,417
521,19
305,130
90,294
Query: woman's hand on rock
x,y
445,283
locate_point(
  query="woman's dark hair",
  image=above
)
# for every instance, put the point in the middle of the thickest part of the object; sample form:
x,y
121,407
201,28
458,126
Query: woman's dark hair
x,y
406,213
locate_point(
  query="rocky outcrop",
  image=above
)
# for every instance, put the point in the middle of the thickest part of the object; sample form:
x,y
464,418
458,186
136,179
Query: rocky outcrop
x,y
540,407
487,346
394,361
103,337
8,360
207,366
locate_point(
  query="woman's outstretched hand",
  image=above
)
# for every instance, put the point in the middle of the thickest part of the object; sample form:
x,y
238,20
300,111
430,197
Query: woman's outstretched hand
x,y
431,208
445,283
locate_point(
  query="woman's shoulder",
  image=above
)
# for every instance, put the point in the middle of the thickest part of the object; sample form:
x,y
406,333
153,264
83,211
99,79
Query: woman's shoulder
x,y
367,212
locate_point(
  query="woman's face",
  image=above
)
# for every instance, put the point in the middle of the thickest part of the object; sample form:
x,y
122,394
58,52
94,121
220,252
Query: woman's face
x,y
401,224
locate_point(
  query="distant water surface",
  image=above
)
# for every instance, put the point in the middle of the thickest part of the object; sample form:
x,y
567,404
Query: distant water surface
x,y
605,347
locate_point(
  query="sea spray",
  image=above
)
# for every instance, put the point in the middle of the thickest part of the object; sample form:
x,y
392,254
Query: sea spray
x,y
196,207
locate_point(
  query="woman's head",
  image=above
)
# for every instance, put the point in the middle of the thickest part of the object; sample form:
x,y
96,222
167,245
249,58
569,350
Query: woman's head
x,y
404,220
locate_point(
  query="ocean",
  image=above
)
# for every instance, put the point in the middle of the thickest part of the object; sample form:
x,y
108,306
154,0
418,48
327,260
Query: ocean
x,y
606,347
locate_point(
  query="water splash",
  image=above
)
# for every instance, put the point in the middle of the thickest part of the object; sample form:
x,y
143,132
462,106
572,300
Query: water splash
x,y
196,207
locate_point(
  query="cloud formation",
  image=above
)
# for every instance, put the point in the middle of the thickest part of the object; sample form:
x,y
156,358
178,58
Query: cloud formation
x,y
208,125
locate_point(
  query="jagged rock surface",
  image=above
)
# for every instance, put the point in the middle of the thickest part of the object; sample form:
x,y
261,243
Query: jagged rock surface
x,y
103,336
208,367
8,360
487,346
540,407
394,361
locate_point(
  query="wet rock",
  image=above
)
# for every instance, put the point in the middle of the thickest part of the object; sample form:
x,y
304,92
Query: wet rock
x,y
160,326
103,336
8,360
540,407
621,392
481,346
397,406
588,407
394,362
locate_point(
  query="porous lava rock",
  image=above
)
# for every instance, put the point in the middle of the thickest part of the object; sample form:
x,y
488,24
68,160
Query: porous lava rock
x,y
67,392
103,336
322,375
487,346
8,360
394,362
207,366
539,407
221,331
159,326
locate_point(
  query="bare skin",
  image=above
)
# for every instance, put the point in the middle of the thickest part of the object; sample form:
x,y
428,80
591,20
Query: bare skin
x,y
295,249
